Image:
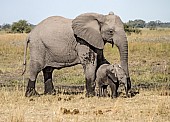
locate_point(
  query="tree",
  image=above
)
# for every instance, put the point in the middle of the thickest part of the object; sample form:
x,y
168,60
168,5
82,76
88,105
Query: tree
x,y
21,26
151,25
138,23
6,27
129,29
158,22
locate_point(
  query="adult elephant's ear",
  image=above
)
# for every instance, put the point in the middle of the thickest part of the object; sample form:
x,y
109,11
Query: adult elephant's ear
x,y
87,26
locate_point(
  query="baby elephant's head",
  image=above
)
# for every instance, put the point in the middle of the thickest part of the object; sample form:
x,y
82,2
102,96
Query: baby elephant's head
x,y
118,72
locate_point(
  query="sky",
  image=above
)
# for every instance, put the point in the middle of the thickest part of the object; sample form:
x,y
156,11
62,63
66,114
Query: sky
x,y
34,11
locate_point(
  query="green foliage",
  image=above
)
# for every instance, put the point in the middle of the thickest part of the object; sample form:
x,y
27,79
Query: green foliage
x,y
138,23
20,27
128,29
27,29
151,25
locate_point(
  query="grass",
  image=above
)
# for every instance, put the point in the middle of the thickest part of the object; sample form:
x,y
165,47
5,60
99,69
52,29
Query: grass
x,y
11,51
146,106
149,62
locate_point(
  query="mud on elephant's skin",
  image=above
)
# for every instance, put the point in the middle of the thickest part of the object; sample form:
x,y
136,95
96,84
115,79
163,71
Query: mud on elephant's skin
x,y
112,75
58,42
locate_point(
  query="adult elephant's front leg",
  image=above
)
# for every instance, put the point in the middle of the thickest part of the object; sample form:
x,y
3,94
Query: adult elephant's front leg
x,y
48,85
88,59
90,75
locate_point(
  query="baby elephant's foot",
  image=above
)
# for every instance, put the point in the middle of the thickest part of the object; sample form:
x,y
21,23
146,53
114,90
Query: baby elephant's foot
x,y
114,96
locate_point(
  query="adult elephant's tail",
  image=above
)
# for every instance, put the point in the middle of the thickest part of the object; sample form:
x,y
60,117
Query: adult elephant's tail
x,y
25,56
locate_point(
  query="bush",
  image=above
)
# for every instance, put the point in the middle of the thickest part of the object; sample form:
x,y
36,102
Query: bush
x,y
128,29
20,27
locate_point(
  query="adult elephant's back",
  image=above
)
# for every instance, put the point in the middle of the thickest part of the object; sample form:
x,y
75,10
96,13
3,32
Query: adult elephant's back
x,y
53,29
55,40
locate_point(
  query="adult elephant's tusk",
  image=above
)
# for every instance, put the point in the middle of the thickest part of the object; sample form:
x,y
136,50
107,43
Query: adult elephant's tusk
x,y
112,43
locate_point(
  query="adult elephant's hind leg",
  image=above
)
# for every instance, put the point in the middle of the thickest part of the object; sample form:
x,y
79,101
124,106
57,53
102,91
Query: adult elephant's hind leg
x,y
34,70
48,85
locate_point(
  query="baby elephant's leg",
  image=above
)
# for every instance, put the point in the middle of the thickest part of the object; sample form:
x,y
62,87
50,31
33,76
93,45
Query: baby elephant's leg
x,y
114,88
105,94
100,91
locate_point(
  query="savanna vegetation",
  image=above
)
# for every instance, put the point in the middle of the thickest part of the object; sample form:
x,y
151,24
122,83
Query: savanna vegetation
x,y
22,26
149,63
132,26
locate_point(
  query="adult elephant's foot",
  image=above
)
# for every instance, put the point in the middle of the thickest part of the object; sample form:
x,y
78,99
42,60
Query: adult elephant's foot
x,y
49,88
52,92
31,92
90,95
90,88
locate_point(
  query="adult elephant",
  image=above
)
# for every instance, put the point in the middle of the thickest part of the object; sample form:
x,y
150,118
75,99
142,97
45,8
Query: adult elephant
x,y
58,42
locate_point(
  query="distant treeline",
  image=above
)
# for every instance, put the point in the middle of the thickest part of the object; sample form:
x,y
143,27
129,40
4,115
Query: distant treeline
x,y
132,26
138,23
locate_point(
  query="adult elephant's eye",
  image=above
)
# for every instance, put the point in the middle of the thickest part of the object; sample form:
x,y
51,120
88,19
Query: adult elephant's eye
x,y
110,31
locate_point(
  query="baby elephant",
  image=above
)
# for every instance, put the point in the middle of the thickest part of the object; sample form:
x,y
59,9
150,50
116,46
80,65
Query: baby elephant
x,y
111,75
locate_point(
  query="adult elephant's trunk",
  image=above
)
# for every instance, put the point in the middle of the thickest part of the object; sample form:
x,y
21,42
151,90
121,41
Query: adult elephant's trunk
x,y
123,50
122,44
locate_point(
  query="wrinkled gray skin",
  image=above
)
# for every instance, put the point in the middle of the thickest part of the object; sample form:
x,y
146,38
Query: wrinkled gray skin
x,y
111,75
58,42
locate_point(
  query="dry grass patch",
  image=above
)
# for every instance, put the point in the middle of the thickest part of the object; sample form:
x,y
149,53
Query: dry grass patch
x,y
11,52
146,106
